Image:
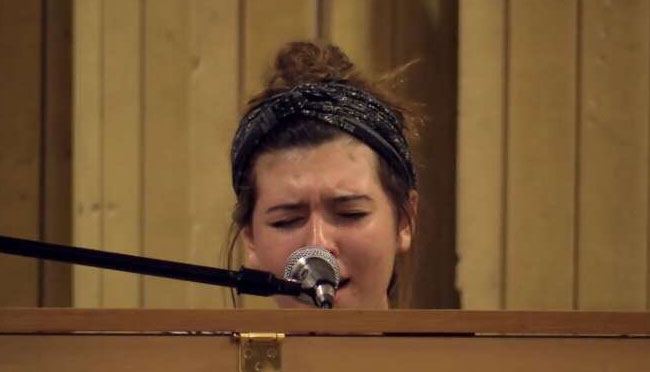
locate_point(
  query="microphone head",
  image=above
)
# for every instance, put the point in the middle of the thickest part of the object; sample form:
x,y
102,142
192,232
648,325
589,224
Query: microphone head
x,y
318,272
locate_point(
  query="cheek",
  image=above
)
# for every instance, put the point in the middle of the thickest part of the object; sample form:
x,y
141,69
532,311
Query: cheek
x,y
272,248
371,250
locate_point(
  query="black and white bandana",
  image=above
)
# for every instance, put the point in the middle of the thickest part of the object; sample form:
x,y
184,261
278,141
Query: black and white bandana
x,y
352,110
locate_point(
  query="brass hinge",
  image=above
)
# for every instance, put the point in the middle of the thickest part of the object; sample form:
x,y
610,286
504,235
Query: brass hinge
x,y
260,351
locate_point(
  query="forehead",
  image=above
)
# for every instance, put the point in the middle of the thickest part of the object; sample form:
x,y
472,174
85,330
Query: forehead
x,y
337,167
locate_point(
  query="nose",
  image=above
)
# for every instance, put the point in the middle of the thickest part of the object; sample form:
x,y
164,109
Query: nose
x,y
322,234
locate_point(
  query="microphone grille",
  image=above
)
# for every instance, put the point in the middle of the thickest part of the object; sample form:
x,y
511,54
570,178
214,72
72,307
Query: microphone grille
x,y
311,252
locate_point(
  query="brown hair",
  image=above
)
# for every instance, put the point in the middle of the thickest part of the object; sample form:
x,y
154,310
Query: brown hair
x,y
310,62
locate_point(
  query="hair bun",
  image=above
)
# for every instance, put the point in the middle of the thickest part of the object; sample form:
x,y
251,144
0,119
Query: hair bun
x,y
302,62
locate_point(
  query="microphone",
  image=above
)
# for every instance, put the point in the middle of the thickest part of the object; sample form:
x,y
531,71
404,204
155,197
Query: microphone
x,y
318,272
312,273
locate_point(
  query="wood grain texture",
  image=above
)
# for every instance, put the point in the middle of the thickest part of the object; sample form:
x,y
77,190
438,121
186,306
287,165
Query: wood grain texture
x,y
268,26
56,278
191,103
577,101
211,119
167,91
220,353
463,354
87,148
122,146
541,155
363,30
614,156
480,167
426,31
166,145
123,353
20,144
335,321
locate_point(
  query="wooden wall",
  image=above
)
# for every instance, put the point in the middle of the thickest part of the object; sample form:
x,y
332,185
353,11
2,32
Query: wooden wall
x,y
553,160
35,160
156,98
20,142
158,88
551,181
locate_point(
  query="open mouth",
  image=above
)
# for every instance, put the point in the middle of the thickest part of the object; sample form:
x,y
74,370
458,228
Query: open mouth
x,y
343,282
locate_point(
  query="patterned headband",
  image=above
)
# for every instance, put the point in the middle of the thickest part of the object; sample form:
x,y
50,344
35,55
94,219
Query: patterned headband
x,y
352,110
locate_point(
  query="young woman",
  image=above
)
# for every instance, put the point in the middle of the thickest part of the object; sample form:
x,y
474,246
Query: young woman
x,y
321,159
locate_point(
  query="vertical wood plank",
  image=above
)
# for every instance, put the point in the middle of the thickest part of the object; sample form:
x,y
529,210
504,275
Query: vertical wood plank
x,y
212,117
267,26
363,30
122,146
614,156
20,144
427,30
541,155
56,282
87,132
166,141
481,141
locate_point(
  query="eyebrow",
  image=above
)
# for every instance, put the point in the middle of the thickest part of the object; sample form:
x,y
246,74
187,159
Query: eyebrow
x,y
350,198
286,206
335,200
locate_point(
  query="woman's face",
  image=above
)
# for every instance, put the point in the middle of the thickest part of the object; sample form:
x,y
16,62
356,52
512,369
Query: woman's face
x,y
330,196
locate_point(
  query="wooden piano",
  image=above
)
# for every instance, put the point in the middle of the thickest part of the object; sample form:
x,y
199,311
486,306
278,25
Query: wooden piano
x,y
315,340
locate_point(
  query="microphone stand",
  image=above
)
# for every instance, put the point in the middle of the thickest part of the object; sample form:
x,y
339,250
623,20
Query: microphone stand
x,y
249,281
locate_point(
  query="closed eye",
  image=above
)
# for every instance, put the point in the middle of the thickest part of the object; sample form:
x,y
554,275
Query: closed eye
x,y
286,223
353,215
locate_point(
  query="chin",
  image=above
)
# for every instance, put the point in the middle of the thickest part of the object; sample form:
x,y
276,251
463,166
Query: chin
x,y
345,299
